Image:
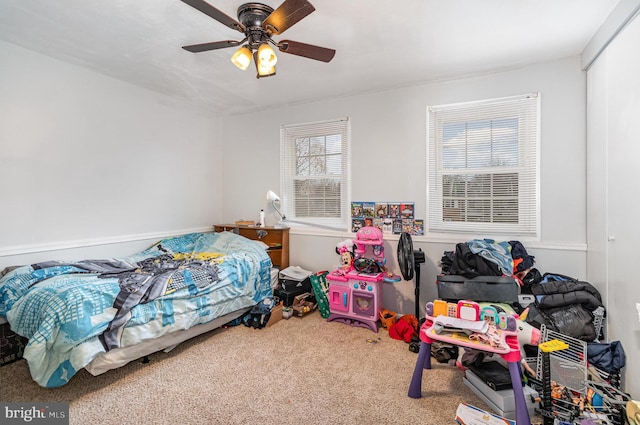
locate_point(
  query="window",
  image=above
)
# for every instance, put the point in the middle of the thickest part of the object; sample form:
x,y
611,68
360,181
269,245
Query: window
x,y
315,173
482,167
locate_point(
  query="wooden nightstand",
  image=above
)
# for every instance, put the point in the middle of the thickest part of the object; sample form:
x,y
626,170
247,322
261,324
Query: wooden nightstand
x,y
277,238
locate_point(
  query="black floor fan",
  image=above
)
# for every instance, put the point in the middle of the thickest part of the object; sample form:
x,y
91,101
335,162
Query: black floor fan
x,y
409,261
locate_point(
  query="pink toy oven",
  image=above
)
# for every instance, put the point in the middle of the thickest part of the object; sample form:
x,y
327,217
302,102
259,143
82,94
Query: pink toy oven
x,y
354,297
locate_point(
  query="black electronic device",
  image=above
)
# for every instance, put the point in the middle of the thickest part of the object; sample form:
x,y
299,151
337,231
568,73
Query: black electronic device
x,y
409,261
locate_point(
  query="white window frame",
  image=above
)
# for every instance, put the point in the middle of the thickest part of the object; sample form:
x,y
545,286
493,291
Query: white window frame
x,y
526,110
289,134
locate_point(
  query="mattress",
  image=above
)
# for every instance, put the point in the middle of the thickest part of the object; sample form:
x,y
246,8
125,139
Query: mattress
x,y
121,356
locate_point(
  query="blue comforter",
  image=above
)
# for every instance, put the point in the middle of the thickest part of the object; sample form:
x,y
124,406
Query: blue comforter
x,y
73,311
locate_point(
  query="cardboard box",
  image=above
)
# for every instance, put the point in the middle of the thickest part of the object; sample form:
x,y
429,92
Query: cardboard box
x,y
302,306
276,315
11,345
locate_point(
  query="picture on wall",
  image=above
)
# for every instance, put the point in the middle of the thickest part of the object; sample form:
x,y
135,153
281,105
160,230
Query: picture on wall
x,y
381,210
369,209
407,225
397,226
356,209
387,226
389,217
406,210
357,224
418,227
394,210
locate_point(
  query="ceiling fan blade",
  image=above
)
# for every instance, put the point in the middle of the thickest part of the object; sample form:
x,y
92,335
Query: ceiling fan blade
x,y
307,50
286,15
195,48
216,14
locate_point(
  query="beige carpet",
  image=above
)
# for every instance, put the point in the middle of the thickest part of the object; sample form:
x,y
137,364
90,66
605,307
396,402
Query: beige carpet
x,y
298,371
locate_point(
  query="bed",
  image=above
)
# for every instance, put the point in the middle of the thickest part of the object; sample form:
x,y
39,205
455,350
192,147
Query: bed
x,y
102,314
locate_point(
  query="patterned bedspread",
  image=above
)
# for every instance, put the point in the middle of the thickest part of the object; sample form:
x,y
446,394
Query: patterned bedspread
x,y
73,311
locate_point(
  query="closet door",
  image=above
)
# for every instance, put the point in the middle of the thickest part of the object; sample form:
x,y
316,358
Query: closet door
x,y
623,195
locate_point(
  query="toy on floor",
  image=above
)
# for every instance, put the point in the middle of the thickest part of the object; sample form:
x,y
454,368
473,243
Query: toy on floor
x,y
405,328
355,290
478,334
387,318
496,313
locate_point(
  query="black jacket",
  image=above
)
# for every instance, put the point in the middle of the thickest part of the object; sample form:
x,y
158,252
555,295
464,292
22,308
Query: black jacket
x,y
565,306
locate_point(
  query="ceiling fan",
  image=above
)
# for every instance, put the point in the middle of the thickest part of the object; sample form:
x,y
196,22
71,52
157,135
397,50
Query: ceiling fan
x,y
259,22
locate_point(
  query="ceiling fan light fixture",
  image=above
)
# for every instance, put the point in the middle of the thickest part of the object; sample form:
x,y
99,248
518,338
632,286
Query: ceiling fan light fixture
x,y
242,58
259,22
266,56
263,71
266,72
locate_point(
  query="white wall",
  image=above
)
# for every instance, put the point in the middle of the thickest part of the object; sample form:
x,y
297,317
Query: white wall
x,y
613,204
388,140
87,160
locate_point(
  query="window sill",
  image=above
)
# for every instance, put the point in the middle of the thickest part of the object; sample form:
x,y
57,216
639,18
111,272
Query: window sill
x,y
439,239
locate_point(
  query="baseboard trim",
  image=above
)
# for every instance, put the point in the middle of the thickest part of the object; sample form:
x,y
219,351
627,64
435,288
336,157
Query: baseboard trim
x,y
81,243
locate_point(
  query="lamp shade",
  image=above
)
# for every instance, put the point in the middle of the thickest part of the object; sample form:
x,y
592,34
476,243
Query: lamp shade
x,y
271,196
266,56
261,70
266,72
242,58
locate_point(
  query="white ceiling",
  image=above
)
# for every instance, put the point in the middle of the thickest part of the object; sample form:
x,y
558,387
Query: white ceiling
x,y
380,44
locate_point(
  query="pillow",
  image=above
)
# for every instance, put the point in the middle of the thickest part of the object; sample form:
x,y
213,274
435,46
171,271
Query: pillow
x,y
7,270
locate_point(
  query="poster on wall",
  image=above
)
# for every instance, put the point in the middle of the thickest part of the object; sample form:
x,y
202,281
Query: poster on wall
x,y
369,209
357,224
381,210
356,210
406,210
394,210
390,217
418,227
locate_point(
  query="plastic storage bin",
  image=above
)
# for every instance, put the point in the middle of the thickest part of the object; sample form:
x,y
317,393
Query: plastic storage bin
x,y
498,289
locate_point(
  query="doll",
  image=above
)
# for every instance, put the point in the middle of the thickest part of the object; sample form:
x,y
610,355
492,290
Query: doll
x,y
345,250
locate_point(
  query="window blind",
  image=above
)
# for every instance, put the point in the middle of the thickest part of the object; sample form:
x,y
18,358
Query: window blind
x,y
482,167
315,172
